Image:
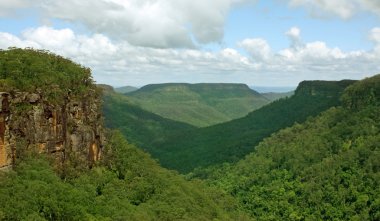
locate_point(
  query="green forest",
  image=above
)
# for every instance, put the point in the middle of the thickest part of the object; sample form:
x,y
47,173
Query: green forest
x,y
139,126
186,149
200,105
126,184
327,168
314,155
52,75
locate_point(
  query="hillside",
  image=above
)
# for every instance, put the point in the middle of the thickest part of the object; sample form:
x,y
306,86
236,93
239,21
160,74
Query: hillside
x,y
125,185
273,96
139,126
327,168
82,172
231,141
125,89
198,104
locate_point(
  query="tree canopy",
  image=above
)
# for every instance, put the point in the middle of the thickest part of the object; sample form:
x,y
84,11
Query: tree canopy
x,y
41,71
327,168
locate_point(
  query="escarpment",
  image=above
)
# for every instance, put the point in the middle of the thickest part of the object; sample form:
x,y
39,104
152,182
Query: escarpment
x,y
27,120
322,88
59,117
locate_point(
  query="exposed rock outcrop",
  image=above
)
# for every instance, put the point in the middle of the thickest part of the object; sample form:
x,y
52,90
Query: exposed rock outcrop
x,y
28,120
323,88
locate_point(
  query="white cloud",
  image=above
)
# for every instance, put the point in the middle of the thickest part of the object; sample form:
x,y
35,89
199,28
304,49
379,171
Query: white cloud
x,y
120,63
375,35
342,8
116,62
148,23
231,55
314,52
66,42
258,48
372,5
315,60
8,6
308,53
49,37
168,23
294,35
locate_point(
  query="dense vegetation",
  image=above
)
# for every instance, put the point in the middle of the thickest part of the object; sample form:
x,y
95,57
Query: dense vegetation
x,y
363,93
36,70
327,168
231,141
198,104
139,126
126,185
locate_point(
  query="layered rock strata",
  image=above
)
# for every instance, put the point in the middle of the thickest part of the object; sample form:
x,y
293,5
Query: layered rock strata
x,y
28,120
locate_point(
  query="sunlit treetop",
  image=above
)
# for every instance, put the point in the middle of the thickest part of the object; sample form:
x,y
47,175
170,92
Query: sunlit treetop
x,y
40,70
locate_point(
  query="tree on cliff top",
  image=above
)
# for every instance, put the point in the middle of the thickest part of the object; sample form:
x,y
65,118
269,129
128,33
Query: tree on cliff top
x,y
54,76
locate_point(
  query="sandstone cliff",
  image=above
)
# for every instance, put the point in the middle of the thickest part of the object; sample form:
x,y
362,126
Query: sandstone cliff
x,y
31,119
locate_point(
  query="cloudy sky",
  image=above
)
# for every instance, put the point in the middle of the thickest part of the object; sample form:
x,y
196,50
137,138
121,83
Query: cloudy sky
x,y
257,42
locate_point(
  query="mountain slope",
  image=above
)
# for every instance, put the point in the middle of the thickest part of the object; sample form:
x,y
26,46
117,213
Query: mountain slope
x,y
125,89
139,126
327,168
272,96
198,104
125,185
232,140
57,182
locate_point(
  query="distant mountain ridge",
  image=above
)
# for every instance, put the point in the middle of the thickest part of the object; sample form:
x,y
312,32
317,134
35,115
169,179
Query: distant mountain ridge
x,y
199,87
268,89
232,140
201,104
139,126
272,96
326,168
125,89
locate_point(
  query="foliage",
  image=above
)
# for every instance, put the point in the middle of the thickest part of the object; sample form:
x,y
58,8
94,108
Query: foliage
x,y
140,127
363,93
327,168
198,104
127,185
231,141
32,70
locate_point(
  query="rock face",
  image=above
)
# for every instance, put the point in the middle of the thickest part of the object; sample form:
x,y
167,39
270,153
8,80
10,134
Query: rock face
x,y
27,120
324,88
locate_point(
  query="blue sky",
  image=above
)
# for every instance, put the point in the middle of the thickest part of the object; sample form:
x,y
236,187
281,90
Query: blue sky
x,y
271,19
262,43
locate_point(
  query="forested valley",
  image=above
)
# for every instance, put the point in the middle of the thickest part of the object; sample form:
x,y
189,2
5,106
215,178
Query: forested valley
x,y
313,155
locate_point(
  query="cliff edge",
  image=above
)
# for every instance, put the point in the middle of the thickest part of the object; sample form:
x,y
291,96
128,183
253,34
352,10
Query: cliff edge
x,y
49,104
